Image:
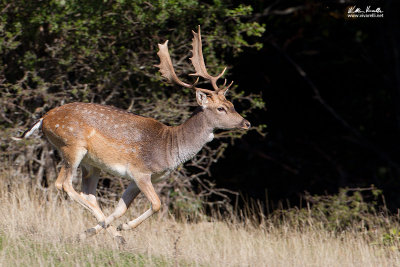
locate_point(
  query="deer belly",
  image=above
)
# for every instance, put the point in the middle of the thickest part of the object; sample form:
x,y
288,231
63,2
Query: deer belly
x,y
109,156
114,168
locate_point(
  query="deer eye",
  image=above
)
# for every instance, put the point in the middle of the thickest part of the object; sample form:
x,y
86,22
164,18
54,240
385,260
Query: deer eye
x,y
220,109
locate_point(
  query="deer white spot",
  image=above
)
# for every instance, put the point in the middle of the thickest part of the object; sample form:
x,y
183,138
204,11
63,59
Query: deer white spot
x,y
92,132
70,128
115,126
62,126
57,125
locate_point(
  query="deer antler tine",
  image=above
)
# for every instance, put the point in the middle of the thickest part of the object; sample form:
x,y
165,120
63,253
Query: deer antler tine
x,y
229,85
222,73
224,83
224,90
196,82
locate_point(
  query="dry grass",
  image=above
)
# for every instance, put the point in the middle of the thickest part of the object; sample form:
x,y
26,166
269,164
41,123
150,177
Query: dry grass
x,y
39,229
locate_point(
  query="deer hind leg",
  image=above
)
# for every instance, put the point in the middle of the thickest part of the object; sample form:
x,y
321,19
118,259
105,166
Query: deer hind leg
x,y
143,181
73,157
60,179
127,198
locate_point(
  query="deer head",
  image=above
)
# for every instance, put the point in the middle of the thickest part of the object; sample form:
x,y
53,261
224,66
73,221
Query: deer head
x,y
219,112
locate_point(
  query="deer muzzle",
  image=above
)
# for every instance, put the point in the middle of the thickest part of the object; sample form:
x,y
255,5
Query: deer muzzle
x,y
245,124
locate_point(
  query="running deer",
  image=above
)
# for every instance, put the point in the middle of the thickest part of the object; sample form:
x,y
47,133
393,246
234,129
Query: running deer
x,y
98,137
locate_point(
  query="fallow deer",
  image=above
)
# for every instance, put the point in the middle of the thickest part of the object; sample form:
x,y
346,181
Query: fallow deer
x,y
98,137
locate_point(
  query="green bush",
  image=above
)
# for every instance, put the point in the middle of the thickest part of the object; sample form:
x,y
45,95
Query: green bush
x,y
346,210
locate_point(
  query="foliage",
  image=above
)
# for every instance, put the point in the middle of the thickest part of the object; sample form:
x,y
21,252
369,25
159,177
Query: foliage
x,y
346,210
55,52
391,238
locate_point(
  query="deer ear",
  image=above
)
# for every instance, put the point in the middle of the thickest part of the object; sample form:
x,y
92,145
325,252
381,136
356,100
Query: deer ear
x,y
201,98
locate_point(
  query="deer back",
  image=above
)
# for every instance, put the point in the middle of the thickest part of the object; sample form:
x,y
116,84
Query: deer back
x,y
111,136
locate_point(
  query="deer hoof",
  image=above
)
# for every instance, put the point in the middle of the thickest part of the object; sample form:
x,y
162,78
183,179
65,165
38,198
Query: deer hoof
x,y
123,226
103,225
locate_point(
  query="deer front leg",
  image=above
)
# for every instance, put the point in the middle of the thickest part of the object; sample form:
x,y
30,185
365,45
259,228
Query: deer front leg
x,y
143,181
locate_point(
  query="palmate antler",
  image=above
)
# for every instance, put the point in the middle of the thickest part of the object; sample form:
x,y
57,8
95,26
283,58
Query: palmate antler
x,y
168,72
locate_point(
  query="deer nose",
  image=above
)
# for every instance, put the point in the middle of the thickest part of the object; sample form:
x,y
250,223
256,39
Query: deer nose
x,y
245,124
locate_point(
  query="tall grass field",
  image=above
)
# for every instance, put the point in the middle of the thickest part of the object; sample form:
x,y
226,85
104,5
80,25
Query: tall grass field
x,y
40,228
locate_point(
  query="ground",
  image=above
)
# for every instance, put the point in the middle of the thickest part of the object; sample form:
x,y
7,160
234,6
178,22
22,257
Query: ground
x,y
39,228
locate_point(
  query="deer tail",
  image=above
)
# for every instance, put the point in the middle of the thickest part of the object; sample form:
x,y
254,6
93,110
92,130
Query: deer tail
x,y
30,131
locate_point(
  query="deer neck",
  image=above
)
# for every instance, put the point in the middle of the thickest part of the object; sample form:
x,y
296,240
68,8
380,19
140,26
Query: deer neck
x,y
190,137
